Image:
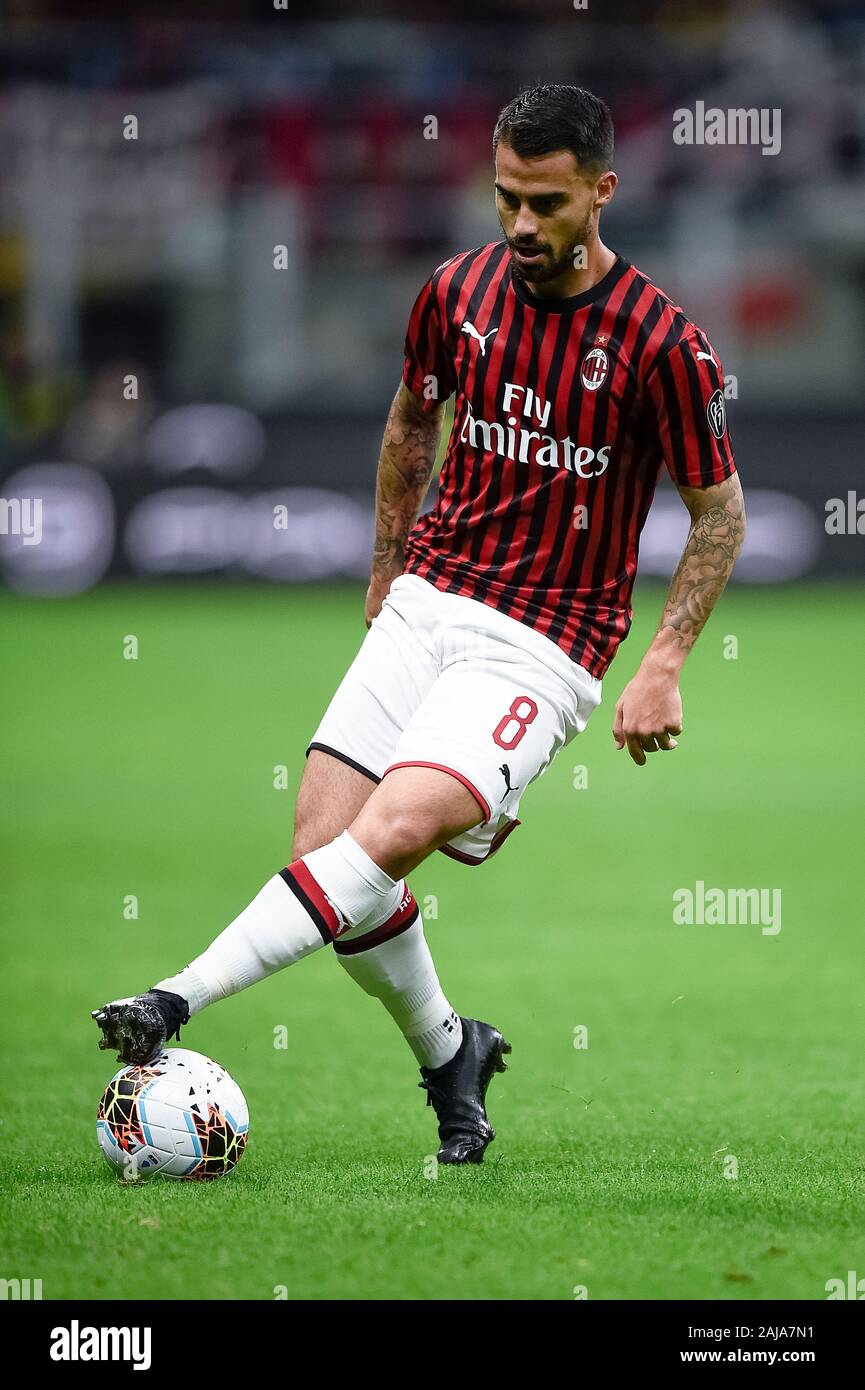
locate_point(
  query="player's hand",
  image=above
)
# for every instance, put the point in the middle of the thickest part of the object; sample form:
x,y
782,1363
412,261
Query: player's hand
x,y
375,597
648,714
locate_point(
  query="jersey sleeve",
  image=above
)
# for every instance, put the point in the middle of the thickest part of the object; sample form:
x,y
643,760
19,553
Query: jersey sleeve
x,y
686,394
429,368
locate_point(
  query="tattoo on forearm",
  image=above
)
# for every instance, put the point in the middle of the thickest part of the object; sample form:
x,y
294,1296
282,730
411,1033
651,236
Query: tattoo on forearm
x,y
717,532
405,467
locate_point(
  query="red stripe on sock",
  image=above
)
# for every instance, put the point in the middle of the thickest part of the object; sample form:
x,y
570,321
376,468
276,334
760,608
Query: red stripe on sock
x,y
396,924
317,896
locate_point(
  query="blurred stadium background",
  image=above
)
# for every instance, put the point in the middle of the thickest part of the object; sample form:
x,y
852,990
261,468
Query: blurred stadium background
x,y
153,780
153,258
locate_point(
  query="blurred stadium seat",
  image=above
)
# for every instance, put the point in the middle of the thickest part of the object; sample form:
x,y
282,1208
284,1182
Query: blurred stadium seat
x,y
143,290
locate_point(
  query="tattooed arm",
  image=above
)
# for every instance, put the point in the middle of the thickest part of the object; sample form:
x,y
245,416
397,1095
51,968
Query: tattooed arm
x,y
649,710
408,452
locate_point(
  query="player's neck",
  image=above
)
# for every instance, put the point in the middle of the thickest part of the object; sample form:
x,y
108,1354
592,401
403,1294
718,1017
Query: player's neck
x,y
599,262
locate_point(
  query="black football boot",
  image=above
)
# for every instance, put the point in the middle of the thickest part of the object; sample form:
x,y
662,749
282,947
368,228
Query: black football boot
x,y
137,1028
457,1092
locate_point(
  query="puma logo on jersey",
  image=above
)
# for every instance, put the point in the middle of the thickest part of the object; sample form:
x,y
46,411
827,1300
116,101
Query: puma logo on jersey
x,y
506,773
470,329
706,357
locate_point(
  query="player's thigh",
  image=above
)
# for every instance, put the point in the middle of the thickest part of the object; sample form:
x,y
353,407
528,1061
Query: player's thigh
x,y
330,796
410,814
388,678
494,720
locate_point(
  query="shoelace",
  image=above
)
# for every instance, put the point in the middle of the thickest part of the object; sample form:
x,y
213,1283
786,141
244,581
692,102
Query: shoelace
x,y
430,1087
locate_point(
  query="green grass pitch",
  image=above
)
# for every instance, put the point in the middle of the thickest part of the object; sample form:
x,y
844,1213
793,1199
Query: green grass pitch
x,y
711,1049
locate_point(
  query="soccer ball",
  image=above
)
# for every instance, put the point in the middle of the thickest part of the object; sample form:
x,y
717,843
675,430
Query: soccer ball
x,y
180,1115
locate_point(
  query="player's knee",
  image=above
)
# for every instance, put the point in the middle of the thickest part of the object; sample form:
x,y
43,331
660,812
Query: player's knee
x,y
408,830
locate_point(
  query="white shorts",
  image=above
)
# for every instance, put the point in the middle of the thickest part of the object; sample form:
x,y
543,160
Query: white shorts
x,y
449,682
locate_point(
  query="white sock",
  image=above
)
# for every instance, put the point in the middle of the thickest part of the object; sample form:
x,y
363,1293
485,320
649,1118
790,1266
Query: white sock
x,y
305,906
353,882
390,960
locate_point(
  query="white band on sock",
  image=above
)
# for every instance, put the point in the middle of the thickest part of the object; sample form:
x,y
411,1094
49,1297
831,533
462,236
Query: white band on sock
x,y
351,880
379,915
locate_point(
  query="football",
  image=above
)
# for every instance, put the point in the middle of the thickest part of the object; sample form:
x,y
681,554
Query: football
x,y
179,1116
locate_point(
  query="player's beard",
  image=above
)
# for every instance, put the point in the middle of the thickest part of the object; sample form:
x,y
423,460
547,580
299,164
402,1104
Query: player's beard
x,y
549,267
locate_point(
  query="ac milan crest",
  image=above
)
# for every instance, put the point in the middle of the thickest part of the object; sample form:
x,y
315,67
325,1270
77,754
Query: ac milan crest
x,y
594,370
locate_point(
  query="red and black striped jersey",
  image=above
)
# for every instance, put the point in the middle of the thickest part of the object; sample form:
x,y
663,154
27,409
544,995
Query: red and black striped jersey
x,y
565,412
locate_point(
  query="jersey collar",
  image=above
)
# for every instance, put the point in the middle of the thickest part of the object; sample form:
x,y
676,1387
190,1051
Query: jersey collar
x,y
576,301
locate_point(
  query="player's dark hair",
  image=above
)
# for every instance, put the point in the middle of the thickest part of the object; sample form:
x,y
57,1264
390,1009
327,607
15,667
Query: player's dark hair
x,y
543,120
